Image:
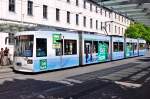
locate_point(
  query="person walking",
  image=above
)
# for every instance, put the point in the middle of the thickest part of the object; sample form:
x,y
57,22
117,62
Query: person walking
x,y
5,59
2,56
9,55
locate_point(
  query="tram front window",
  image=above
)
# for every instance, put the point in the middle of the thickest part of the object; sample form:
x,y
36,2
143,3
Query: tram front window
x,y
24,46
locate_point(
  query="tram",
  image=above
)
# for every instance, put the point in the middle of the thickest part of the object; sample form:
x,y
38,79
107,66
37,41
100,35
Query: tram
x,y
141,48
37,51
117,48
131,47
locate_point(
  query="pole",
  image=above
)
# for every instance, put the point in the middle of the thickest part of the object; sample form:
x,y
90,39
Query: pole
x,y
21,12
61,49
80,47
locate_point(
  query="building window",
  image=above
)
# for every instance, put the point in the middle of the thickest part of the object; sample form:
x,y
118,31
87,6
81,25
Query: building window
x,y
122,18
109,27
109,14
101,25
101,11
91,23
84,21
77,2
105,26
115,16
84,4
119,17
96,24
12,5
119,30
57,14
30,7
68,17
105,13
122,30
115,29
44,11
90,7
68,1
96,9
77,19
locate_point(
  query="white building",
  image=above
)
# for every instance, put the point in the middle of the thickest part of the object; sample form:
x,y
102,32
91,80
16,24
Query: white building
x,y
4,44
79,15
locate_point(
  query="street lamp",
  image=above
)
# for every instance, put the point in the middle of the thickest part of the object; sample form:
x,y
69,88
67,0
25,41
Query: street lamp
x,y
105,26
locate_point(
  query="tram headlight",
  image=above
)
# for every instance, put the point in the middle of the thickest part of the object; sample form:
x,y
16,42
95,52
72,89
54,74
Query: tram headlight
x,y
29,61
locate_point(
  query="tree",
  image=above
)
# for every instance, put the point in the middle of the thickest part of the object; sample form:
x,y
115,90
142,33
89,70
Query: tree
x,y
138,30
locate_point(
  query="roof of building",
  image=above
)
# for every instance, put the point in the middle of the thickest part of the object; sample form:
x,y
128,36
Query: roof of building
x,y
138,10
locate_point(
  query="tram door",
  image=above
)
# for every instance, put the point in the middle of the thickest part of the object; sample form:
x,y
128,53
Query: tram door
x,y
88,50
88,47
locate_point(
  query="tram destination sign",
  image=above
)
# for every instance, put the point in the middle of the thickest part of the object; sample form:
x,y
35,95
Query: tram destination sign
x,y
56,38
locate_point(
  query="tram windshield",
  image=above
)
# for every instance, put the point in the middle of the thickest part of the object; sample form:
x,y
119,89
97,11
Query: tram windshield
x,y
24,46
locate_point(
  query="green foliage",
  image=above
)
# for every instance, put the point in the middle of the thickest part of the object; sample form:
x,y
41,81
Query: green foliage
x,y
138,30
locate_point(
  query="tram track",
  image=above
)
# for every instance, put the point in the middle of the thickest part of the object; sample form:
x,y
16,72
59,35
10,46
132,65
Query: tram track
x,y
139,76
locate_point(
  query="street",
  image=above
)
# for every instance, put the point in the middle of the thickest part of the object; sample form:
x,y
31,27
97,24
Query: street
x,y
123,79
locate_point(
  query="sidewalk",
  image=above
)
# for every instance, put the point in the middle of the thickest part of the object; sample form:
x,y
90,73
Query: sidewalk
x,y
5,69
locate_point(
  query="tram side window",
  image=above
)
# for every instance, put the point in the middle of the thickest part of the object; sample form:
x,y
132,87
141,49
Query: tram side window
x,y
142,46
95,46
128,44
107,45
59,51
132,46
87,47
70,47
135,46
115,46
41,47
120,46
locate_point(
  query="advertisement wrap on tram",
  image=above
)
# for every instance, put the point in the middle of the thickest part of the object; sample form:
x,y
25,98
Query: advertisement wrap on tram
x,y
102,52
37,51
96,48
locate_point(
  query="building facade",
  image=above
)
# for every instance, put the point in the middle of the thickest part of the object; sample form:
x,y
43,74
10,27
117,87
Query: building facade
x,y
79,15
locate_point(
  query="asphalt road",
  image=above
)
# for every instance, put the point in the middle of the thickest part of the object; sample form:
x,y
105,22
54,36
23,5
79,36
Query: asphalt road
x,y
123,79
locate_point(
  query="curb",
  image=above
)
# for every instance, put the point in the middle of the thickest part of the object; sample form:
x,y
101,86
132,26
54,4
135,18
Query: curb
x,y
5,69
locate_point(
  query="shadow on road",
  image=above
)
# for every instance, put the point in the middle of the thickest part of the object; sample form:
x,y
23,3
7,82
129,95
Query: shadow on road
x,y
93,89
145,59
25,89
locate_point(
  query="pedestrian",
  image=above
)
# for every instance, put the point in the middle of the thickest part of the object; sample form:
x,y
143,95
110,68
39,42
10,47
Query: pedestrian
x,y
91,52
9,55
5,59
86,54
1,56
